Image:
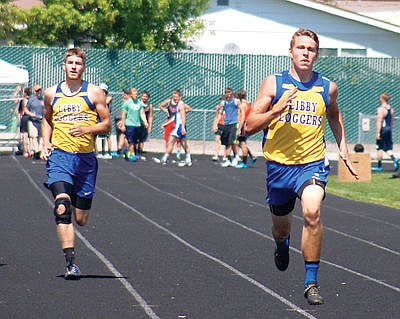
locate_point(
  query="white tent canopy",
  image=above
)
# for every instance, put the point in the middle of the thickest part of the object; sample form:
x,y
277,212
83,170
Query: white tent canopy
x,y
11,74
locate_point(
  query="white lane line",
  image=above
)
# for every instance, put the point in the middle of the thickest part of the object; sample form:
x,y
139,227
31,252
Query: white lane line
x,y
237,272
382,283
106,262
368,242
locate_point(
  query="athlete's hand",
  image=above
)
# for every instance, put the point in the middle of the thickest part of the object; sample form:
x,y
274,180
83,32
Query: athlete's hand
x,y
349,166
46,151
77,130
287,102
121,126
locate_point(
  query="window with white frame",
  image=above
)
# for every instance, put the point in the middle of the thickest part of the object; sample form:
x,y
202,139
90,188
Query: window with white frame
x,y
354,52
222,2
328,52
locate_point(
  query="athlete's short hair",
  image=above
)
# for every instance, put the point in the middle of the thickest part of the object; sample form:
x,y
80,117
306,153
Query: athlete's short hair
x,y
228,90
385,96
241,94
307,33
75,52
179,92
146,92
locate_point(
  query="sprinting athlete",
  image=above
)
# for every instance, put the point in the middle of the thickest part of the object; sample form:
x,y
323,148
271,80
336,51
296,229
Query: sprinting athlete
x,y
291,107
70,125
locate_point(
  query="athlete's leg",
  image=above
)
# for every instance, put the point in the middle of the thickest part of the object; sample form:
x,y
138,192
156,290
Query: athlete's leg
x,y
65,229
311,240
82,209
281,227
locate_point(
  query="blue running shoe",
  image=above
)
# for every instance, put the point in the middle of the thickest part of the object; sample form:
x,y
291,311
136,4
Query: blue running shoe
x,y
376,169
252,161
73,272
115,154
132,158
396,165
241,165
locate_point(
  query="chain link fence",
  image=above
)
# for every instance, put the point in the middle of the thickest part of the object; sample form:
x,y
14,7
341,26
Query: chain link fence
x,y
203,78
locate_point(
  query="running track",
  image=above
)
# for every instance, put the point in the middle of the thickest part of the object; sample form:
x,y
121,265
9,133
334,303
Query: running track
x,y
169,242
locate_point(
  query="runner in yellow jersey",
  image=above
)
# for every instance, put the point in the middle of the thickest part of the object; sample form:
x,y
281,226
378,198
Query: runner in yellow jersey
x,y
291,108
69,128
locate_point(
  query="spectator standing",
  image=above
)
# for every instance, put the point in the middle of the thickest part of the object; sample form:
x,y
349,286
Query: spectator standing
x,y
179,130
233,123
34,109
105,139
122,143
242,138
148,111
132,118
217,128
384,125
23,122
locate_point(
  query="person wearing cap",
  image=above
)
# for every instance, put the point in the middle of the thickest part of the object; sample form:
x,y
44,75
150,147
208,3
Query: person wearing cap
x,y
107,137
34,109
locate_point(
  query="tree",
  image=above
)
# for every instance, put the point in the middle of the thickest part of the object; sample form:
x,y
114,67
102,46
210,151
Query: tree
x,y
152,25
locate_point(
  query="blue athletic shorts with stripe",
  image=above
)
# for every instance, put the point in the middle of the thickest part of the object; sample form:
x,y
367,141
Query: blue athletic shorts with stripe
x,y
177,132
77,169
285,182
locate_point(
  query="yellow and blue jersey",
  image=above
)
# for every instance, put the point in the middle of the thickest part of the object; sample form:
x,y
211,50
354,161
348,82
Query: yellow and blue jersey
x,y
71,110
297,135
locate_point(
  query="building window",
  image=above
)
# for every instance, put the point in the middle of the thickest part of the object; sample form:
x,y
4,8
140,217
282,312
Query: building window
x,y
354,52
222,2
328,52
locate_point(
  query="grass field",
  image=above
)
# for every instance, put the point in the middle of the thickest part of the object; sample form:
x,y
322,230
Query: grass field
x,y
381,190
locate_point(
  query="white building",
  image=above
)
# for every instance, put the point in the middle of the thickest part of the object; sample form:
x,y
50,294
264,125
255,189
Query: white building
x,y
266,27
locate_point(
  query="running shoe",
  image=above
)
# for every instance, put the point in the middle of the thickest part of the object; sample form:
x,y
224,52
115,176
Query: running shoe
x,y
116,154
156,160
215,158
395,164
107,156
241,165
376,169
234,162
131,158
227,163
281,259
252,161
73,272
312,294
185,163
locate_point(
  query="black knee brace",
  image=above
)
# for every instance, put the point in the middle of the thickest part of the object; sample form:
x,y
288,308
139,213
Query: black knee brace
x,y
66,217
283,210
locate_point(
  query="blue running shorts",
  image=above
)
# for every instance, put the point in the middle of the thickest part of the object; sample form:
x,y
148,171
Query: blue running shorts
x,y
284,182
77,169
177,132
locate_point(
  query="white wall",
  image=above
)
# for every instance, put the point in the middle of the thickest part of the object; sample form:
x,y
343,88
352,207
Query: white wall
x,y
266,26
